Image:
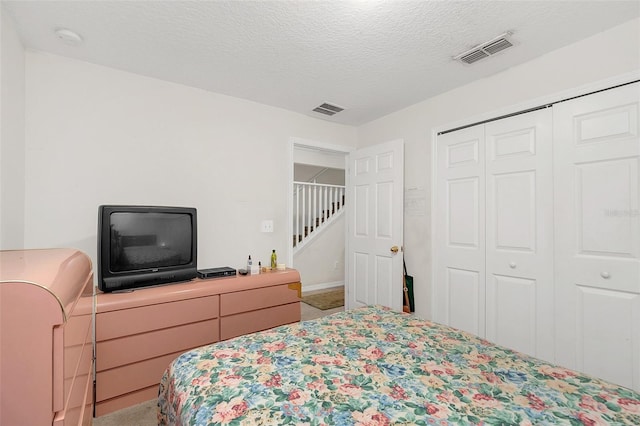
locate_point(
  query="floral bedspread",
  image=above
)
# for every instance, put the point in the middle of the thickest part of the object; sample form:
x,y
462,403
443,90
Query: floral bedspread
x,y
372,366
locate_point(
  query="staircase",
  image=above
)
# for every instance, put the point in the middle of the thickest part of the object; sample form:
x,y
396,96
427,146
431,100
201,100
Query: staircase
x,y
315,206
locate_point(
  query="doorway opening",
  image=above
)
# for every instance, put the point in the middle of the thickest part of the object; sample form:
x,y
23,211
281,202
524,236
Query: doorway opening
x,y
317,214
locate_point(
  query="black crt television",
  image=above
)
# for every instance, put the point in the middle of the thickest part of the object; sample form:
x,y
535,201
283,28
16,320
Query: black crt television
x,y
140,246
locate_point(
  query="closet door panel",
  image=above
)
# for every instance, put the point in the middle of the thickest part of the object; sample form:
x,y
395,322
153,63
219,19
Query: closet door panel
x,y
599,312
459,292
597,234
519,233
515,211
604,193
462,213
509,322
463,297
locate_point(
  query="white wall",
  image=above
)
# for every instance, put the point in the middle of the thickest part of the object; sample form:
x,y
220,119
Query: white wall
x,y
318,157
321,262
327,176
610,53
96,135
12,152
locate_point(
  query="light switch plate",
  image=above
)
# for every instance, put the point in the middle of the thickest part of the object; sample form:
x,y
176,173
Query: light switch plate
x,y
267,225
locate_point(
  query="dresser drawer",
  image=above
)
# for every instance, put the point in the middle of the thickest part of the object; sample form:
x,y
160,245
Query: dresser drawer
x,y
132,377
79,394
77,338
249,300
129,349
79,410
75,330
250,322
78,370
125,322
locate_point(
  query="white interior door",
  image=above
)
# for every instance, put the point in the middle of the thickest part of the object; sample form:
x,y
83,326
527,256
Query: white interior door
x,y
459,252
375,183
519,233
597,234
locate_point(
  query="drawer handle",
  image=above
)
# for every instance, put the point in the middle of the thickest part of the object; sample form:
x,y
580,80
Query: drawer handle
x,y
605,275
512,265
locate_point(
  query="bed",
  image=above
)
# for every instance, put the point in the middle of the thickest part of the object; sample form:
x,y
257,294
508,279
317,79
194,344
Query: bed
x,y
374,366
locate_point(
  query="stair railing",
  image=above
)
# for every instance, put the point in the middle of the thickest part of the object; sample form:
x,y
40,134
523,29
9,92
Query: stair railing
x,y
315,205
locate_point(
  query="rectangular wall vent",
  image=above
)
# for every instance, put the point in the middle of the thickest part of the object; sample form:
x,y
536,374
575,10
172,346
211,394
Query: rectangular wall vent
x,y
497,46
474,56
485,49
328,109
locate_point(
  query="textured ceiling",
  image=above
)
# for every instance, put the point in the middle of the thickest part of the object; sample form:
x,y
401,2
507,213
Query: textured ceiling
x,y
370,57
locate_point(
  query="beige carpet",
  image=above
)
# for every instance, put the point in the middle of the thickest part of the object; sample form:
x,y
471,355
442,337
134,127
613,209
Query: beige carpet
x,y
144,414
325,300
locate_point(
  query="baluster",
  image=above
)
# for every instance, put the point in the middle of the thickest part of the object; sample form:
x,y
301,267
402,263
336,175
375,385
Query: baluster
x,y
315,206
296,235
310,210
333,201
324,205
304,205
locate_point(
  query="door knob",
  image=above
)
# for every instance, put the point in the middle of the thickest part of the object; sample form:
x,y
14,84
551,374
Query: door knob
x,y
605,275
512,265
394,249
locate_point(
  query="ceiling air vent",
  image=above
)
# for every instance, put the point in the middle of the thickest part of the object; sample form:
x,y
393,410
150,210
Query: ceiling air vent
x,y
485,49
328,109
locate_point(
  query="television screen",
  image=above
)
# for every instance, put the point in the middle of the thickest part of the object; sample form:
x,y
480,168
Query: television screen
x,y
149,240
144,245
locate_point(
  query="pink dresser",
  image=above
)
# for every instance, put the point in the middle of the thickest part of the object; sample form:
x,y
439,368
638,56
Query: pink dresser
x,y
46,355
139,333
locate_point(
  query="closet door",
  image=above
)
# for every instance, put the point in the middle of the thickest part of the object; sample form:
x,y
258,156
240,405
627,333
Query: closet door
x,y
519,233
459,293
597,234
